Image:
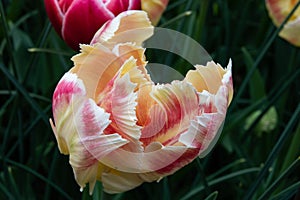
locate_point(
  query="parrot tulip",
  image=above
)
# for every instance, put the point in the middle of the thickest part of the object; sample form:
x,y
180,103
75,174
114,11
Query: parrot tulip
x,y
122,129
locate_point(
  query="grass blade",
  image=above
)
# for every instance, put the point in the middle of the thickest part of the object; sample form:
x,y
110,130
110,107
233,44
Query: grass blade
x,y
272,187
287,131
31,171
219,180
260,57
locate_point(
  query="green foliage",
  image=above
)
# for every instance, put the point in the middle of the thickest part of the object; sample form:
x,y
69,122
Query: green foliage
x,y
257,156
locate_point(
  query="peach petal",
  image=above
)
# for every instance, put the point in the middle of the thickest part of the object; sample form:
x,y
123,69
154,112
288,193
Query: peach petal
x,y
129,26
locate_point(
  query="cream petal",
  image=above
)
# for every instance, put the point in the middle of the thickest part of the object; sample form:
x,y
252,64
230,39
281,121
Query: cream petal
x,y
117,182
95,65
291,32
143,162
211,77
127,50
207,77
129,26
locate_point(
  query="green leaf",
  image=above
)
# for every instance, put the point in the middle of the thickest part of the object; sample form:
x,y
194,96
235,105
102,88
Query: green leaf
x,y
212,196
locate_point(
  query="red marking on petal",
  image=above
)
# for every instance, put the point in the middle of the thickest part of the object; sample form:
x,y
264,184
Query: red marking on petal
x,y
183,160
64,91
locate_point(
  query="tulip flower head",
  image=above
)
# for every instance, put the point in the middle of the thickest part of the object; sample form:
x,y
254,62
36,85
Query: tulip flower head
x,y
76,21
278,11
122,129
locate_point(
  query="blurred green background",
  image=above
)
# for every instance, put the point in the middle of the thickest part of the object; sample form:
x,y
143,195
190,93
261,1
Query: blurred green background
x,y
257,156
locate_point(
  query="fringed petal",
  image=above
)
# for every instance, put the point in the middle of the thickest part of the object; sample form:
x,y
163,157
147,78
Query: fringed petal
x,y
177,104
69,89
91,144
119,99
210,78
95,72
129,26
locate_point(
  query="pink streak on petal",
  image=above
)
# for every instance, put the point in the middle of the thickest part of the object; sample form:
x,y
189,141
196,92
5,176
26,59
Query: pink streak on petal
x,y
275,11
119,100
93,119
188,156
68,86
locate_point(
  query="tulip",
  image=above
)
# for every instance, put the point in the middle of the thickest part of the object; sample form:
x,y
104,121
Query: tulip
x,y
118,126
76,21
278,11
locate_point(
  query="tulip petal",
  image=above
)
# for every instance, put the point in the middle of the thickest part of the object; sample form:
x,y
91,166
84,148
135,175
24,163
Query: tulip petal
x,y
55,14
117,182
178,104
80,124
93,71
129,26
126,50
118,6
144,102
210,78
291,32
149,164
77,28
90,144
154,8
134,5
119,99
68,89
204,131
278,11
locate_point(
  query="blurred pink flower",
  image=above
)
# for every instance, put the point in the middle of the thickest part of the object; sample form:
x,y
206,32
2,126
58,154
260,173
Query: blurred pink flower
x,y
118,126
76,21
278,11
